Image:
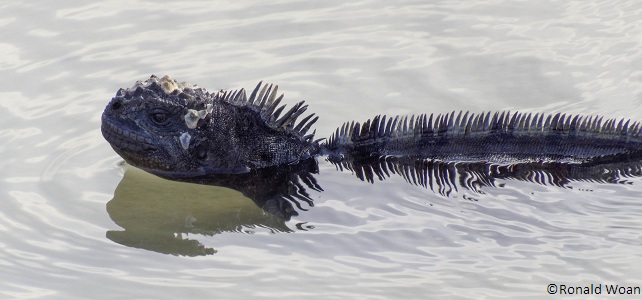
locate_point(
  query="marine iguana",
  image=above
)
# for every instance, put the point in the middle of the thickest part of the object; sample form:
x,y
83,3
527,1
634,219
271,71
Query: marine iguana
x,y
178,130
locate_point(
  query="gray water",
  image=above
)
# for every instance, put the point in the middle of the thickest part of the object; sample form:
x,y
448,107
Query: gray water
x,y
62,214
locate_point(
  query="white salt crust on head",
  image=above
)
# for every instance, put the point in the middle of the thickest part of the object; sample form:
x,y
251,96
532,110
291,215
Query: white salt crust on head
x,y
167,84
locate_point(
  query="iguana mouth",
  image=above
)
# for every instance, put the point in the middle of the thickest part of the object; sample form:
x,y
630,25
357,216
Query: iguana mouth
x,y
125,139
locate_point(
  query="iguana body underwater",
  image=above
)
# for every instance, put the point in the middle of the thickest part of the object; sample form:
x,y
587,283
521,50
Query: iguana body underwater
x,y
177,130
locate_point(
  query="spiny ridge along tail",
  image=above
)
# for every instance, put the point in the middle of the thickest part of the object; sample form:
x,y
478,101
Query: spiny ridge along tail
x,y
504,132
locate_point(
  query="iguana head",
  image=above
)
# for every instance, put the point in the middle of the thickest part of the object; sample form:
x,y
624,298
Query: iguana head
x,y
153,124
176,129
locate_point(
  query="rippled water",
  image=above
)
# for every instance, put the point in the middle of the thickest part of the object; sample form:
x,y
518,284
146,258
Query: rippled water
x,y
77,223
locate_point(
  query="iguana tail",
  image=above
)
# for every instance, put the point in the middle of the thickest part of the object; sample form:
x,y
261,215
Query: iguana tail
x,y
500,137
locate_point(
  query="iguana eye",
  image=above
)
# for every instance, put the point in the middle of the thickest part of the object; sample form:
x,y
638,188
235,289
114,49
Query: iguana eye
x,y
159,117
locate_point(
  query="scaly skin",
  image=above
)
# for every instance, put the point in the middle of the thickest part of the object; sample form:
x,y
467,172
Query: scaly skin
x,y
501,138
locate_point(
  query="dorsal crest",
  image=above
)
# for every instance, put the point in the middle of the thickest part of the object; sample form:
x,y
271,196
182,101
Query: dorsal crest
x,y
265,102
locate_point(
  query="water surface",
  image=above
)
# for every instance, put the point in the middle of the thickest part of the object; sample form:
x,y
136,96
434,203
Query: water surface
x,y
62,218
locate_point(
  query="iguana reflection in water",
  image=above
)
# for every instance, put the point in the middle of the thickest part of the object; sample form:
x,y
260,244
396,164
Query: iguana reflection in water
x,y
158,214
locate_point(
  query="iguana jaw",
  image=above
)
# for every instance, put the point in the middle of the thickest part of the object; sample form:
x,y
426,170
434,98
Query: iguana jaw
x,y
122,138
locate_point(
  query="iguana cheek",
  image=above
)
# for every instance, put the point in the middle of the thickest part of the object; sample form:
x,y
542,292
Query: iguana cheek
x,y
201,152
